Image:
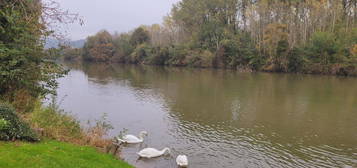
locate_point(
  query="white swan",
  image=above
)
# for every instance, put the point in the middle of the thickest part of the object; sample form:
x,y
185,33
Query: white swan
x,y
182,160
131,139
151,152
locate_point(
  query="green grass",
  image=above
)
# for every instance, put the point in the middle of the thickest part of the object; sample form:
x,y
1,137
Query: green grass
x,y
53,154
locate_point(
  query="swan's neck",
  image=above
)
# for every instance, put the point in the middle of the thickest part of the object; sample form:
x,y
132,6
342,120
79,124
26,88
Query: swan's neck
x,y
141,137
164,150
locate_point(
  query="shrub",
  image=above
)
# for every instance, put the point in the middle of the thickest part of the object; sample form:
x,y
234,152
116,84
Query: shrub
x,y
140,53
197,58
296,60
193,58
158,56
177,55
12,127
3,124
324,48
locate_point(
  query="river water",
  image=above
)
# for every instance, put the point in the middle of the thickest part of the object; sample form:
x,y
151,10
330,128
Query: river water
x,y
220,118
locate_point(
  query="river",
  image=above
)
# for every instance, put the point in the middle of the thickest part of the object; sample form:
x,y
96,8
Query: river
x,y
220,118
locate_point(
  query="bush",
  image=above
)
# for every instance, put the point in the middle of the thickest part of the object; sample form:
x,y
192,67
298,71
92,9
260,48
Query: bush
x,y
296,60
12,128
3,124
177,55
197,58
324,49
158,56
140,53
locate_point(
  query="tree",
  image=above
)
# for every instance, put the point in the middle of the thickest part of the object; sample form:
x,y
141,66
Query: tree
x,y
324,48
276,47
139,36
99,47
123,48
23,70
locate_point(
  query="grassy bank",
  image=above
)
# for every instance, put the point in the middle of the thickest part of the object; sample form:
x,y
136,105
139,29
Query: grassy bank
x,y
59,140
54,154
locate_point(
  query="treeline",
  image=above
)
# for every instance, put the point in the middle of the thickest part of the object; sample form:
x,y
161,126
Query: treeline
x,y
306,36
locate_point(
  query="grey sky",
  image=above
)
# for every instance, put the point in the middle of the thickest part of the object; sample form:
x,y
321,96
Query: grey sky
x,y
114,15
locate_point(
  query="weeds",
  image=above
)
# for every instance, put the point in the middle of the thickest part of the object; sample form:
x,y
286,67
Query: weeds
x,y
54,123
96,134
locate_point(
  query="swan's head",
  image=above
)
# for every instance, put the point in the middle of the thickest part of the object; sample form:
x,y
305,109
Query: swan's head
x,y
167,150
143,133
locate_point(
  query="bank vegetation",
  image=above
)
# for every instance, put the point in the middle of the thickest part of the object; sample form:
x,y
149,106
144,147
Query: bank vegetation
x,y
304,36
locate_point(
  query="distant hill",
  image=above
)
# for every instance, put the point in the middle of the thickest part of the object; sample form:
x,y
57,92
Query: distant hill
x,y
54,43
51,43
77,43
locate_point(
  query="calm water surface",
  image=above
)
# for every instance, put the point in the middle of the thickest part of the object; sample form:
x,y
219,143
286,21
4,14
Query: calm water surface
x,y
221,119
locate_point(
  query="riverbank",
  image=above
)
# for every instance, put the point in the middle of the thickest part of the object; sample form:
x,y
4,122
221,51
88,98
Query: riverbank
x,y
47,136
342,70
54,154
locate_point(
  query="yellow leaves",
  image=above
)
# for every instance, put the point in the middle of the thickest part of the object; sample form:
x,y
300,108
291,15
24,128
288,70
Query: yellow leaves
x,y
354,50
275,32
317,4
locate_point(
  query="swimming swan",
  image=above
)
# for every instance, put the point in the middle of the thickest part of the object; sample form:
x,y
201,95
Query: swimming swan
x,y
151,152
131,139
182,161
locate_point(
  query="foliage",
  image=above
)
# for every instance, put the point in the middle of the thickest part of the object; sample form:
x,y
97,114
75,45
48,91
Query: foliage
x,y
12,127
55,123
177,55
95,133
54,154
53,53
354,50
324,48
123,48
99,47
22,63
71,54
140,53
158,56
278,36
4,124
296,60
139,36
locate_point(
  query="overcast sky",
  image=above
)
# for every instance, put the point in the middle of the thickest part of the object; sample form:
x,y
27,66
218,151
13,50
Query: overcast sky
x,y
114,15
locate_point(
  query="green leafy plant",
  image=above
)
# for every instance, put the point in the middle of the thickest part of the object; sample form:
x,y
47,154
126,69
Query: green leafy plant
x,y
3,124
12,127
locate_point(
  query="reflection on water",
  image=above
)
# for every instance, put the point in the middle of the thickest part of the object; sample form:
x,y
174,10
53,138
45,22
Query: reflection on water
x,y
221,118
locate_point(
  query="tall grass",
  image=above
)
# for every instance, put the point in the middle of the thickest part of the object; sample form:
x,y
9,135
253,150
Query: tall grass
x,y
54,123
